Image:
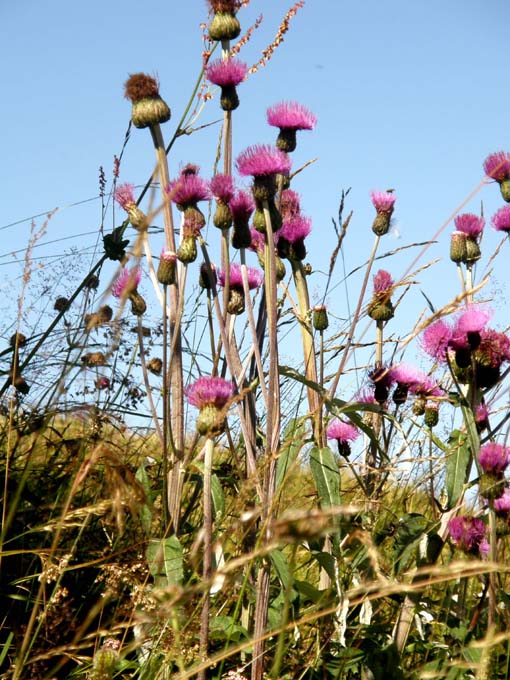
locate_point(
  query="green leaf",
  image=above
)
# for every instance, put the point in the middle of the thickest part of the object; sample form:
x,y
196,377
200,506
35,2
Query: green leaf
x,y
326,475
289,372
292,445
218,498
409,533
165,561
458,461
225,628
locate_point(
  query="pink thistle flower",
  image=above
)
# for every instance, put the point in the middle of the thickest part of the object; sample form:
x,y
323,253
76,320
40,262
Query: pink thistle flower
x,y
494,458
482,417
295,228
254,276
258,241
502,504
187,190
473,320
209,391
404,374
382,282
242,206
127,282
222,188
494,348
435,339
261,160
365,396
341,431
501,219
291,116
124,195
426,387
469,224
290,204
468,534
383,201
497,165
226,73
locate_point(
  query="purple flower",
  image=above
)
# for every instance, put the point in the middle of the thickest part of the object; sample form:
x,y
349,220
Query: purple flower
x,y
226,73
290,204
494,458
435,339
291,116
473,320
494,348
258,241
242,206
502,504
383,201
262,159
482,417
404,374
295,228
222,188
124,195
497,165
468,534
127,282
209,391
469,224
382,282
426,387
187,190
501,219
254,276
341,431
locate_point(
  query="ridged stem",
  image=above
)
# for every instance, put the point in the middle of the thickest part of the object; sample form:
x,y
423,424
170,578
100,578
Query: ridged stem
x,y
207,558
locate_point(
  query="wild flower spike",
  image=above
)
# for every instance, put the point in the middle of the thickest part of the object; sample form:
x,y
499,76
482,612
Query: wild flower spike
x,y
497,166
501,219
227,74
148,107
289,117
383,202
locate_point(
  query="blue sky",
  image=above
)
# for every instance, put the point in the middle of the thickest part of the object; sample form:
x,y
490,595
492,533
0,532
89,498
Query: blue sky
x,y
408,94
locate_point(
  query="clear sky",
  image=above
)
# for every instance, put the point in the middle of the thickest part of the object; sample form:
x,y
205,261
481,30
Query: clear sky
x,y
409,94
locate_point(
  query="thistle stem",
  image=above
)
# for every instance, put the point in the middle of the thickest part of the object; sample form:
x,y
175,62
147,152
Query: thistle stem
x,y
207,559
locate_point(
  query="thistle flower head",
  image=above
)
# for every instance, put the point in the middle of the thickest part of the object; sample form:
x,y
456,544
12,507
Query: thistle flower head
x,y
222,188
482,417
435,339
295,228
226,73
127,282
261,160
469,224
242,206
209,391
187,190
341,431
258,241
502,504
383,282
494,348
473,320
124,195
497,165
291,116
383,201
253,275
501,219
426,387
494,458
230,6
140,86
468,534
408,375
290,204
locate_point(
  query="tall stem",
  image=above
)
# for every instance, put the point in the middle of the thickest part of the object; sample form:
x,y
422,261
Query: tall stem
x,y
207,559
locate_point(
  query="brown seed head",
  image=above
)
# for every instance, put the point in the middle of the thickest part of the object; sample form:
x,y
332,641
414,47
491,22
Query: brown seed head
x,y
140,86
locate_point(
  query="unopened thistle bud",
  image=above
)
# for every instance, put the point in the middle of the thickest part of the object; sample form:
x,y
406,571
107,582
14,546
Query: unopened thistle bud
x,y
224,26
320,318
155,365
207,278
166,268
61,304
138,304
187,251
458,248
473,252
148,107
383,202
431,415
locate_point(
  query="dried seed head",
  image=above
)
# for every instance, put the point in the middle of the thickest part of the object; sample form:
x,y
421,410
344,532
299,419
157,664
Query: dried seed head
x,y
140,86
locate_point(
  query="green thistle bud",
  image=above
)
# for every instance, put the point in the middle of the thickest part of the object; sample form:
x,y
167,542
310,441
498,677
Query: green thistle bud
x,y
224,26
458,249
167,267
280,269
286,140
431,418
381,311
211,421
229,100
419,406
236,302
187,251
222,216
504,187
148,107
241,236
137,218
138,304
320,318
381,224
473,252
